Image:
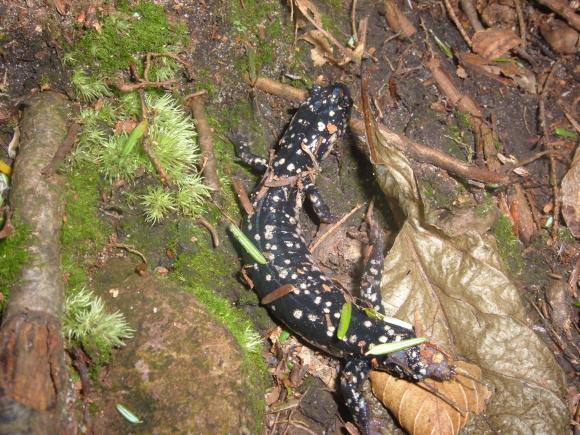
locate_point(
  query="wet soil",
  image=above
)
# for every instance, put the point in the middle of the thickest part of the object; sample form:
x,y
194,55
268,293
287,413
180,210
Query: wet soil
x,y
173,327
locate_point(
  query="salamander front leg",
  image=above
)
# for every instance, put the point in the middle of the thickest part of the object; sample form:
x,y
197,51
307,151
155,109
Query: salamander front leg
x,y
353,376
371,278
318,204
257,163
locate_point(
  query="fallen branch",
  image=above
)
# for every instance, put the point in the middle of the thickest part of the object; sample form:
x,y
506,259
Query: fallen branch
x,y
33,374
206,145
424,154
276,88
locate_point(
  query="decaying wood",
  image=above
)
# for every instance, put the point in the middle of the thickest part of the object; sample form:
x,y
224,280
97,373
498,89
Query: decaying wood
x,y
33,378
206,145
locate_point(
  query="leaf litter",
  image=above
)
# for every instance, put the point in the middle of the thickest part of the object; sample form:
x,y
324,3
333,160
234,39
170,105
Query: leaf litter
x,y
458,288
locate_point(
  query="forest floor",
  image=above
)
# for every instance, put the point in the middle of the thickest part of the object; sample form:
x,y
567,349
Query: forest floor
x,y
495,91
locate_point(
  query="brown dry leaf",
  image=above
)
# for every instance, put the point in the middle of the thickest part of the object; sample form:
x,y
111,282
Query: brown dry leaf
x,y
523,77
322,48
571,196
559,35
421,412
61,6
309,10
494,42
459,288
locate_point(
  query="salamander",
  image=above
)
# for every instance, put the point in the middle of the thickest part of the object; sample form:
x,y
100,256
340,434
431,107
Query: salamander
x,y
302,298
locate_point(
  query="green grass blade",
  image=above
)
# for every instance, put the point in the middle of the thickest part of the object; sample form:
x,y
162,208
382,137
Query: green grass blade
x,y
128,415
344,323
247,244
395,346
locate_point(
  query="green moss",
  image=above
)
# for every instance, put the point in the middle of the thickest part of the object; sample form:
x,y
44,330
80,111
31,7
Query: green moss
x,y
83,233
13,256
508,244
141,29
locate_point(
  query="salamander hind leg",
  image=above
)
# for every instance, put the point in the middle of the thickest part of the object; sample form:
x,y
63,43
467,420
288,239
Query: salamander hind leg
x,y
257,163
352,378
320,208
371,278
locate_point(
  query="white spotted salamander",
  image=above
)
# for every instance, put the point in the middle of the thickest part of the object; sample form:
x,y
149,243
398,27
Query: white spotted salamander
x,y
310,304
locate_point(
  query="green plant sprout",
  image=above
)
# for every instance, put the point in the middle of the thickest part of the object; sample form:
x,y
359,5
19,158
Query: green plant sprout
x,y
88,89
86,323
157,203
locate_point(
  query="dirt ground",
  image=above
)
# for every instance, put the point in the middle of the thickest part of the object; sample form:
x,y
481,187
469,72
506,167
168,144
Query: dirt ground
x,y
516,118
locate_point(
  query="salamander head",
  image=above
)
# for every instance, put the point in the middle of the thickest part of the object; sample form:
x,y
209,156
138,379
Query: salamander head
x,y
416,363
322,118
332,106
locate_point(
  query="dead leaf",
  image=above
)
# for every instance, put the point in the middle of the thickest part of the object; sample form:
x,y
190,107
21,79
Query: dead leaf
x,y
469,306
558,296
309,10
60,6
494,42
8,229
322,48
571,196
421,412
559,35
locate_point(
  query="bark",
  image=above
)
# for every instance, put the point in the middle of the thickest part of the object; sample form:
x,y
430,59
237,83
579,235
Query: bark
x,y
33,378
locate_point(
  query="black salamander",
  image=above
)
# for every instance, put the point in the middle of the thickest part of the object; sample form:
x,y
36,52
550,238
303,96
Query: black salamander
x,y
312,308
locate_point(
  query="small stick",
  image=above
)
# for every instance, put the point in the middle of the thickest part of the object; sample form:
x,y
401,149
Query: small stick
x,y
521,22
79,359
276,88
63,150
333,228
456,21
163,177
214,235
130,87
469,9
130,249
206,146
243,196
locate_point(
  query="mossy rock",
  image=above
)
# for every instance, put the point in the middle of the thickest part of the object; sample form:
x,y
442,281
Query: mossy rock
x,y
183,372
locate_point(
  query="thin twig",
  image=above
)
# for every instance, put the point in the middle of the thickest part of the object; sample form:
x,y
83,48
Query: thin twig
x,y
521,22
457,23
469,9
130,87
333,228
163,177
206,145
130,249
214,235
243,196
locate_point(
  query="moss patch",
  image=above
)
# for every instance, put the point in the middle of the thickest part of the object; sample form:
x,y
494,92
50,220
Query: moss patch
x,y
83,233
508,244
12,257
139,29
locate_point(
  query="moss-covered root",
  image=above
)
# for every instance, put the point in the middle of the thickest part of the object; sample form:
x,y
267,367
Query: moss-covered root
x,y
33,378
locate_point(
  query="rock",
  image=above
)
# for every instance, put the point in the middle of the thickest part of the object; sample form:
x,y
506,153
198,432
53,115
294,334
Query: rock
x,y
181,371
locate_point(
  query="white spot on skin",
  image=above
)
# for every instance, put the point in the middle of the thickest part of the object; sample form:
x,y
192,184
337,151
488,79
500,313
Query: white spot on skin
x,y
297,314
276,198
312,317
291,167
320,126
257,237
317,300
352,339
283,273
373,271
268,277
328,303
383,339
337,315
368,323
